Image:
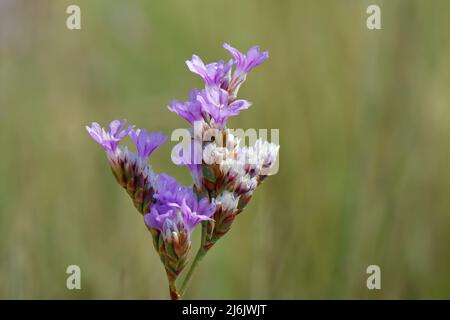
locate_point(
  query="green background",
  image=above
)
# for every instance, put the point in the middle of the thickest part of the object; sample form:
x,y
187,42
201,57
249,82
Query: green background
x,y
364,125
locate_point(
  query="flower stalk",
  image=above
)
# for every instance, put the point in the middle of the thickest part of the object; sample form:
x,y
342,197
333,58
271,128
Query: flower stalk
x,y
201,252
224,178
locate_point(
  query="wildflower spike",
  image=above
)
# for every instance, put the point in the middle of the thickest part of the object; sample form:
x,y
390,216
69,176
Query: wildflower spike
x,y
225,175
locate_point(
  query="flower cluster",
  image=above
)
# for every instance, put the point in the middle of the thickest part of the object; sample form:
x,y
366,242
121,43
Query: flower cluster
x,y
217,102
225,174
170,210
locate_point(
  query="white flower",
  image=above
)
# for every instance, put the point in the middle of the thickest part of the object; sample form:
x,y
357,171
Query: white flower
x,y
249,160
266,152
232,169
232,141
227,201
246,184
212,154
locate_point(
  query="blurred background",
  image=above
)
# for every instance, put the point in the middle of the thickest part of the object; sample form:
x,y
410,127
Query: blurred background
x,y
364,123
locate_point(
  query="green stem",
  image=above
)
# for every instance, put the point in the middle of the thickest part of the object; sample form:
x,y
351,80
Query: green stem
x,y
198,257
174,295
200,254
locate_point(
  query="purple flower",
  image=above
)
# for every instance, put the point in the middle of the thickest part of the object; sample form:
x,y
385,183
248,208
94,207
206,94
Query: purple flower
x,y
190,110
213,73
176,207
145,142
246,62
159,216
191,157
216,102
111,138
196,212
173,226
196,174
168,190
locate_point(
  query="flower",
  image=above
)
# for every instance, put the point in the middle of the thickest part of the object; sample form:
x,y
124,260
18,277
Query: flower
x,y
232,141
267,152
175,212
211,103
196,212
177,208
258,159
168,191
130,169
190,110
174,218
246,62
232,169
145,142
224,174
213,74
245,184
213,154
227,201
217,103
190,155
110,139
135,176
